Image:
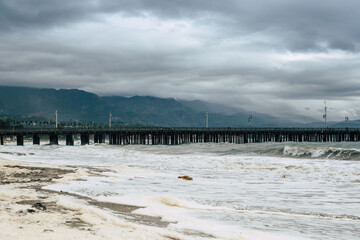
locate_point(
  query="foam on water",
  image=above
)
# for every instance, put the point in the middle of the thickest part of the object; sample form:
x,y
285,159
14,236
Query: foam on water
x,y
322,152
239,191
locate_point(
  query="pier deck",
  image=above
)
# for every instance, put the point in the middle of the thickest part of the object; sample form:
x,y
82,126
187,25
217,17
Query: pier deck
x,y
173,136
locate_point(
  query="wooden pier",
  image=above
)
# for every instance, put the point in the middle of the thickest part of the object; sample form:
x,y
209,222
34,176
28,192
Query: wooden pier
x,y
174,136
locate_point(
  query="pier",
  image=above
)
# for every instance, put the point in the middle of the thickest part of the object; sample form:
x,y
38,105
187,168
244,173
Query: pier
x,y
175,136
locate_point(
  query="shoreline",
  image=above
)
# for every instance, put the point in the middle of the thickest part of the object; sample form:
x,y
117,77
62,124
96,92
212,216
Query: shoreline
x,y
29,212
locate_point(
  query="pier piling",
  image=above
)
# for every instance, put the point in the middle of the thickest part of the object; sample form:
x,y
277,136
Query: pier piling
x,y
99,138
54,140
36,139
85,138
69,140
20,140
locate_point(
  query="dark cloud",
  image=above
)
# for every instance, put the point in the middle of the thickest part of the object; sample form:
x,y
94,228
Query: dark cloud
x,y
269,56
299,25
42,13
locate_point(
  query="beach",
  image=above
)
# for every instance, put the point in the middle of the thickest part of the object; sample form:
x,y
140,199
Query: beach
x,y
196,191
29,212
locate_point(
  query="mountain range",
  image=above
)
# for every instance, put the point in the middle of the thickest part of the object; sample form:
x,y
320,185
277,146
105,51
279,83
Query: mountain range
x,y
79,105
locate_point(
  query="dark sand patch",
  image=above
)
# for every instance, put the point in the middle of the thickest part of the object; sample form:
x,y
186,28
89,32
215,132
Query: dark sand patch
x,y
27,174
126,211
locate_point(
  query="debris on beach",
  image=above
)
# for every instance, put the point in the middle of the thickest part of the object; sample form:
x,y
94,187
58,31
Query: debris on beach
x,y
186,178
30,210
39,206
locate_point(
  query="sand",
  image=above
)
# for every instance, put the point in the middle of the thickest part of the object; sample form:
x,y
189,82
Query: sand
x,y
29,212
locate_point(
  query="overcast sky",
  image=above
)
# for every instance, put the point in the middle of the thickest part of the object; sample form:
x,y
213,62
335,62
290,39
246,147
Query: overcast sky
x,y
269,56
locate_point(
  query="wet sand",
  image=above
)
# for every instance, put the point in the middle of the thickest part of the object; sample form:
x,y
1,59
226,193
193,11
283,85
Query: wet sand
x,y
29,212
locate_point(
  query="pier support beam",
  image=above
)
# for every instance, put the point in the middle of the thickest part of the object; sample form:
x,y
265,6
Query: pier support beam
x,y
113,138
245,138
300,138
69,140
102,138
99,138
36,139
20,140
2,140
85,138
54,139
277,138
352,137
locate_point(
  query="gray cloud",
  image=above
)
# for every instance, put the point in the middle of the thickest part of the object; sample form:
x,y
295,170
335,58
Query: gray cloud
x,y
15,15
299,25
270,56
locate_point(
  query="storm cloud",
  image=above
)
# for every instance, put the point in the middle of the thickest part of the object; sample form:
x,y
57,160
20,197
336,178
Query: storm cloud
x,y
275,56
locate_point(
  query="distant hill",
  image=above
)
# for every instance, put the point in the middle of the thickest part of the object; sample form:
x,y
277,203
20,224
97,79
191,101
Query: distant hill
x,y
33,102
78,105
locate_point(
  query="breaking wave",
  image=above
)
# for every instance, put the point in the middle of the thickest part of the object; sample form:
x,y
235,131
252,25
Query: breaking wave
x,y
296,150
321,152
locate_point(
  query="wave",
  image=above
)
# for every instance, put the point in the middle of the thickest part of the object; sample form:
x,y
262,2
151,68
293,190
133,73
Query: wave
x,y
321,152
343,217
168,201
300,150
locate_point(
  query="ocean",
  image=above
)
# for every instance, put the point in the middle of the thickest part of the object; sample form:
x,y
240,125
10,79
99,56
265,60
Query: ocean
x,y
239,191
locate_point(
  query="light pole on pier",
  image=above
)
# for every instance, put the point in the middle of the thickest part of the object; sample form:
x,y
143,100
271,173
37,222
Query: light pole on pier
x,y
56,119
346,122
207,119
110,116
325,115
250,117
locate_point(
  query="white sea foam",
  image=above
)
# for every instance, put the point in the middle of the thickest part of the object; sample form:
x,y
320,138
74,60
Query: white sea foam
x,y
322,152
301,151
109,226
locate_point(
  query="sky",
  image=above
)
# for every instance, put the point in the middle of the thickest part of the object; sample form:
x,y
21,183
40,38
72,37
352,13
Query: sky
x,y
279,57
